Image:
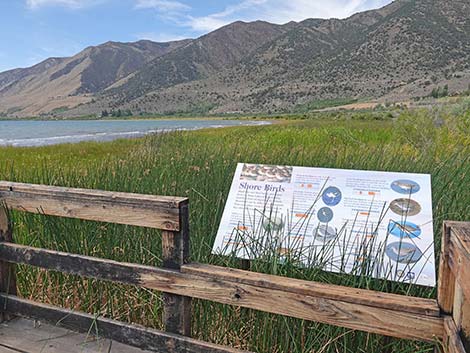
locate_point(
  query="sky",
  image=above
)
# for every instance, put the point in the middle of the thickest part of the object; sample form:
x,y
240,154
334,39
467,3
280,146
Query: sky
x,y
33,30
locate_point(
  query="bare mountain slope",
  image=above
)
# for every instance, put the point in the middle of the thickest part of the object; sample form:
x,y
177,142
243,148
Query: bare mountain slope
x,y
200,59
9,77
400,51
58,83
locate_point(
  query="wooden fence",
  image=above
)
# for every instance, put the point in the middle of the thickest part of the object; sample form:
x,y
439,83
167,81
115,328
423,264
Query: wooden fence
x,y
446,320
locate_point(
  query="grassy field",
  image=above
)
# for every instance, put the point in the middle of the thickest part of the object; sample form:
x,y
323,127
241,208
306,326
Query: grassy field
x,y
200,165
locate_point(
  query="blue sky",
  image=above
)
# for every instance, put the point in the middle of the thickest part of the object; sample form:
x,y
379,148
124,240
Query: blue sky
x,y
33,30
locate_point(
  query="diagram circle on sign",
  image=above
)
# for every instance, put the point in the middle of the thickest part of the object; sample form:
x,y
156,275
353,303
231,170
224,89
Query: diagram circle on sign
x,y
404,229
405,187
404,253
325,214
273,224
405,207
324,233
331,196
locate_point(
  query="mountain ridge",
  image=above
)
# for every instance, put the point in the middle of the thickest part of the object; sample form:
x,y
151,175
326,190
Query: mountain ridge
x,y
57,82
400,51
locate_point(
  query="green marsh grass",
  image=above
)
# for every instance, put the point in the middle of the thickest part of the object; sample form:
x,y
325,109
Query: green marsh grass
x,y
200,165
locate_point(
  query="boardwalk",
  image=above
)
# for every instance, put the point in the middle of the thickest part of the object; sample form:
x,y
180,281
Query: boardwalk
x,y
24,335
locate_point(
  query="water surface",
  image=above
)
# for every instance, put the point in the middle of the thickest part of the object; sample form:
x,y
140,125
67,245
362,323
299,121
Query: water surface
x,y
40,133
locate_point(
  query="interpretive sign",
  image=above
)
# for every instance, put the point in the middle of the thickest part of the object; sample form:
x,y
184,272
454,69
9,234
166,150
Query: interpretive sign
x,y
346,221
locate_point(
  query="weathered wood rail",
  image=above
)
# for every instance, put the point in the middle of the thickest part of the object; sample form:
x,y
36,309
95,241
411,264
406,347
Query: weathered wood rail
x,y
445,321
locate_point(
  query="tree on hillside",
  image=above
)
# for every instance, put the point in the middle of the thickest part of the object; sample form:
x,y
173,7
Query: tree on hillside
x,y
445,91
437,92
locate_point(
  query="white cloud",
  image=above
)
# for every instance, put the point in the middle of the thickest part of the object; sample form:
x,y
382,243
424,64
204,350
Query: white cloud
x,y
160,37
162,5
229,14
207,23
281,11
167,10
300,9
73,4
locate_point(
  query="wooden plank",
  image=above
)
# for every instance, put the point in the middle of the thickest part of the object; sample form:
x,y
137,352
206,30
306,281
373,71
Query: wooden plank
x,y
458,301
41,337
376,299
7,270
4,349
452,341
461,315
134,335
121,197
465,323
459,263
459,254
175,252
316,306
462,232
160,212
446,278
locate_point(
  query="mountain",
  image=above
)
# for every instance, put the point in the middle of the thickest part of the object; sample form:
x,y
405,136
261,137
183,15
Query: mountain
x,y
201,58
57,83
398,52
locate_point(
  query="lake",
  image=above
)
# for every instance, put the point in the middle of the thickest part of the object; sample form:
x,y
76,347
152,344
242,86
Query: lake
x,y
41,133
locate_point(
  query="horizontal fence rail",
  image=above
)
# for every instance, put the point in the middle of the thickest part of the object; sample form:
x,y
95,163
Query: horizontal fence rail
x,y
416,305
416,318
446,320
161,212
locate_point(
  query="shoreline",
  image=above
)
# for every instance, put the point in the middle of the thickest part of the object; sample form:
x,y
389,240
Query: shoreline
x,y
149,118
111,134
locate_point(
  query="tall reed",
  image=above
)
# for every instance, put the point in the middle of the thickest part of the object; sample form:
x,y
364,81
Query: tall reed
x,y
200,165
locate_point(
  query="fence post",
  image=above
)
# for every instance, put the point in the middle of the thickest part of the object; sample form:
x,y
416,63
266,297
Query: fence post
x,y
453,288
462,316
7,271
175,250
461,304
446,284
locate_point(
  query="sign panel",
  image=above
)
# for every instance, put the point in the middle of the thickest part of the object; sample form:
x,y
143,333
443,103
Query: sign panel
x,y
346,221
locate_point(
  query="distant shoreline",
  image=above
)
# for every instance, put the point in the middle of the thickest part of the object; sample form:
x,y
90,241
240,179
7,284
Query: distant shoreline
x,y
138,118
35,133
